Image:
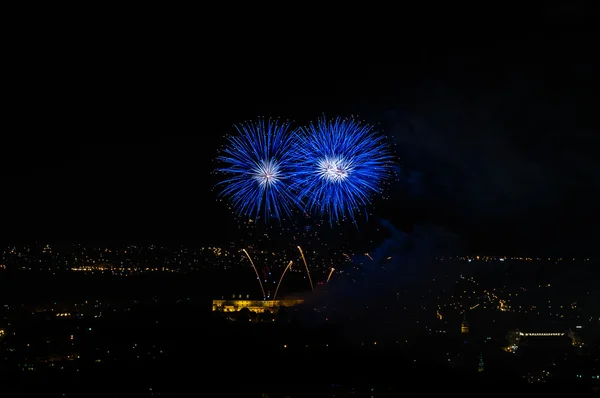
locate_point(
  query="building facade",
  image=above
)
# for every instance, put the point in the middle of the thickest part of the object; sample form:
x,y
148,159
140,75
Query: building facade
x,y
257,306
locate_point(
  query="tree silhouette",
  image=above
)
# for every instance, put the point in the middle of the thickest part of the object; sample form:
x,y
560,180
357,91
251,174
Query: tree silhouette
x,y
244,315
283,315
266,316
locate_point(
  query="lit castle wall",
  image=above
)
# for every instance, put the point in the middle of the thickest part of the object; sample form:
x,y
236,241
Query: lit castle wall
x,y
253,305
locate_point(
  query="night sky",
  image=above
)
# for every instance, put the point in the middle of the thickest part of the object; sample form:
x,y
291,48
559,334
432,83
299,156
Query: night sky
x,y
497,138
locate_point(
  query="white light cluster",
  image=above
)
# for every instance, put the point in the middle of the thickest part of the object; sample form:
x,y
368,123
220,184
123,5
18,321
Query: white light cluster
x,y
334,169
267,173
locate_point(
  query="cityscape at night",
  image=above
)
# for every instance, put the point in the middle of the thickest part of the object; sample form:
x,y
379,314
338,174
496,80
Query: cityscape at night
x,y
197,216
528,321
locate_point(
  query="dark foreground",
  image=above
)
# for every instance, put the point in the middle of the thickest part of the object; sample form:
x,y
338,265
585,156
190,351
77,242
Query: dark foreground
x,y
233,360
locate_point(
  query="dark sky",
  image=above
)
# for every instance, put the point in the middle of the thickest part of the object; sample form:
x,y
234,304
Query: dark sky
x,y
497,135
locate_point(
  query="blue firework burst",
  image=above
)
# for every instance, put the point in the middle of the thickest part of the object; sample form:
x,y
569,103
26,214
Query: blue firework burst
x,y
342,165
258,165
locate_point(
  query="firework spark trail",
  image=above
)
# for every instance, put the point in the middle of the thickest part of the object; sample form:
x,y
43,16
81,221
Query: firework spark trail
x,y
259,168
257,274
330,273
307,271
280,279
368,255
341,165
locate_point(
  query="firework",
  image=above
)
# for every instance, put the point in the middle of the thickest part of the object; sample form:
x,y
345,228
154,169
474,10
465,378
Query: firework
x,y
330,273
342,165
259,166
307,270
280,279
256,271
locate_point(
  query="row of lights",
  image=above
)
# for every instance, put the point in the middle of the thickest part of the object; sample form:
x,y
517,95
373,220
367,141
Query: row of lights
x,y
541,334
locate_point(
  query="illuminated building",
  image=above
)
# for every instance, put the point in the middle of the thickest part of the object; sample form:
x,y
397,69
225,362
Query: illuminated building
x,y
464,326
257,306
575,338
540,340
